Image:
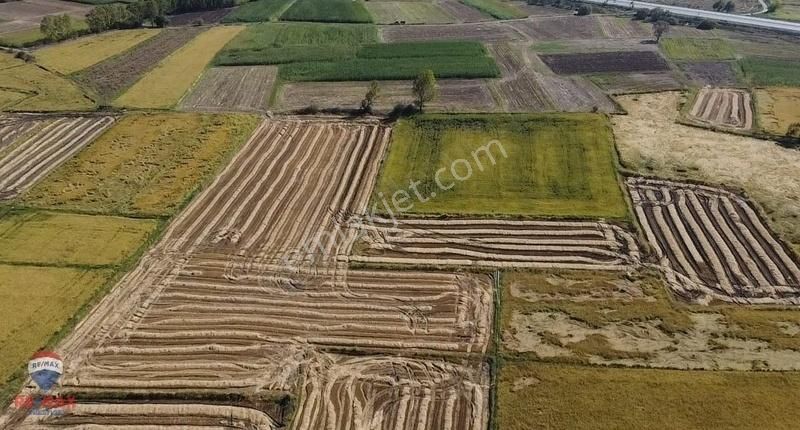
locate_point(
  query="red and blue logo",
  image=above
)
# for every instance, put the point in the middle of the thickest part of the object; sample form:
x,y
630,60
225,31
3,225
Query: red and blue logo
x,y
45,368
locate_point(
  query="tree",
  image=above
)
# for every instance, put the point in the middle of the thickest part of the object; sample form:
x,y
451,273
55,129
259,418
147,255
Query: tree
x,y
425,89
707,24
56,28
369,99
794,130
729,7
717,5
660,28
584,10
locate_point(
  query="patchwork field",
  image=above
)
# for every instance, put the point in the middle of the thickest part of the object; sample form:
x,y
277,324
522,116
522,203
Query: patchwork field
x,y
542,165
560,28
347,11
777,108
696,49
715,74
110,77
724,108
53,141
605,62
163,87
76,55
27,87
244,88
651,143
489,32
520,86
463,13
409,12
144,165
496,244
543,396
714,245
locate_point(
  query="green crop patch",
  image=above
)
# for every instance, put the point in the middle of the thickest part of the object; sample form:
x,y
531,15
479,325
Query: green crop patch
x,y
496,8
258,11
552,165
348,11
422,49
697,49
770,71
38,237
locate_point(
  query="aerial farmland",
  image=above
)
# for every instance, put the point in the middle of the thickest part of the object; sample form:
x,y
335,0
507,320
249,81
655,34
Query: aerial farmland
x,y
398,215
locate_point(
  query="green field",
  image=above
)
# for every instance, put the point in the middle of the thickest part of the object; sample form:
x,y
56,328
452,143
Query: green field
x,y
497,8
28,87
146,164
697,49
258,11
422,49
557,165
548,396
347,11
70,239
771,72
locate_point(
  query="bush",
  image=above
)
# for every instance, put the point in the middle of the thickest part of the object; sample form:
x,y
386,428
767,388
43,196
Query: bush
x,y
584,10
640,14
707,24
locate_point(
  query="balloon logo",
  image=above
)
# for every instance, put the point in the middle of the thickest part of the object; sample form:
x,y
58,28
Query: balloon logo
x,y
45,368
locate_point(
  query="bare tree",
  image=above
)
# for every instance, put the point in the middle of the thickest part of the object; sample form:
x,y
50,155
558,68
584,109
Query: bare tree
x,y
660,28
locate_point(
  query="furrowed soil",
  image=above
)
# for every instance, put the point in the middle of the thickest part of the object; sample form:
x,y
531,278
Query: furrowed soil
x,y
723,107
651,143
76,55
147,164
242,89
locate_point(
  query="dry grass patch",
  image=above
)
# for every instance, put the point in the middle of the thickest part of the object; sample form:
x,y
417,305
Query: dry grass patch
x,y
164,86
147,164
78,54
778,108
28,87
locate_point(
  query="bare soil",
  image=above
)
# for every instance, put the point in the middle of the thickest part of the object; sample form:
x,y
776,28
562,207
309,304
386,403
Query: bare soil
x,y
723,107
202,17
244,88
715,74
605,62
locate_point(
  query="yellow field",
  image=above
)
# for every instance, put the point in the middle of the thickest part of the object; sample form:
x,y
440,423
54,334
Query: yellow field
x,y
146,164
35,303
27,87
78,54
778,108
70,239
547,396
164,86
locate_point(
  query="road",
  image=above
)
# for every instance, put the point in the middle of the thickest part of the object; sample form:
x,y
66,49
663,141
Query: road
x,y
746,20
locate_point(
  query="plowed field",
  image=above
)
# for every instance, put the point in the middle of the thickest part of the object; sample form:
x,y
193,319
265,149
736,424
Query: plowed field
x,y
723,107
243,88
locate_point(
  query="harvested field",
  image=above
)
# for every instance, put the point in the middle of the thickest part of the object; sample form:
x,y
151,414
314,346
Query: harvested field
x,y
409,12
575,94
496,243
482,32
519,86
163,87
147,164
393,393
243,88
456,95
623,28
462,12
14,127
605,62
75,55
778,108
723,107
110,77
30,88
632,83
559,28
711,73
205,17
497,8
53,143
713,245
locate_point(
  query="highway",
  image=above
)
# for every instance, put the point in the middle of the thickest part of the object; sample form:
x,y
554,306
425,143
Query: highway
x,y
750,21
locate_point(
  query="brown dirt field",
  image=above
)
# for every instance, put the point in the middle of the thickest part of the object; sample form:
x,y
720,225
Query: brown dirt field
x,y
715,74
55,140
462,12
457,95
651,143
605,62
576,94
519,88
110,77
13,127
482,32
534,10
244,88
559,28
713,244
393,393
624,28
497,244
723,107
27,14
206,17
632,83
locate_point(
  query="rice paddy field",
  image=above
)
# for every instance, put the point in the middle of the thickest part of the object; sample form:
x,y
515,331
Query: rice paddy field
x,y
558,165
75,55
147,164
163,87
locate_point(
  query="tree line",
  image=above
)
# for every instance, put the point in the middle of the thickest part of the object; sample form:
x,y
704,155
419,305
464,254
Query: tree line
x,y
136,14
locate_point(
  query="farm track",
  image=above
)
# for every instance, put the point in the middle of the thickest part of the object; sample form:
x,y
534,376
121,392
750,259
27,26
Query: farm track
x,y
723,107
498,244
55,140
108,78
713,245
244,88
